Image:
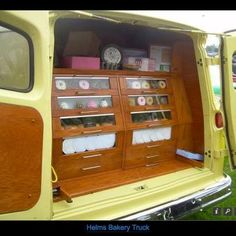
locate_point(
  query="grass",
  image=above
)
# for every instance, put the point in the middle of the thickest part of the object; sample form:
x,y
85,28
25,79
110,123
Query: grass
x,y
207,214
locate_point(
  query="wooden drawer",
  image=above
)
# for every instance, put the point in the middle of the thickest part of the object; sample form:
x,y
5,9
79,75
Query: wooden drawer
x,y
149,154
72,166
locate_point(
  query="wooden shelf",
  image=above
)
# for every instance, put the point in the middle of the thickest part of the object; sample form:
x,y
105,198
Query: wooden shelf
x,y
97,182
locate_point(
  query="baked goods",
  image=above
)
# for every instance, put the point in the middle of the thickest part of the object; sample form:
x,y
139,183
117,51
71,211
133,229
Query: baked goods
x,y
162,84
132,101
64,105
163,100
60,84
149,101
141,101
145,85
84,84
92,104
136,85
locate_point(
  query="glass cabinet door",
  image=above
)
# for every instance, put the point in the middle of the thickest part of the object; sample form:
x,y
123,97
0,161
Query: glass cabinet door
x,y
82,83
91,121
84,102
141,136
148,100
151,116
85,143
145,83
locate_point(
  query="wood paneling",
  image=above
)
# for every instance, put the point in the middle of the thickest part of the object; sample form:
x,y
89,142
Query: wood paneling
x,y
188,99
20,157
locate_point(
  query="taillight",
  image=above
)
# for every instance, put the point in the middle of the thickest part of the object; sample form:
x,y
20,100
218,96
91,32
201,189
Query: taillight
x,y
219,120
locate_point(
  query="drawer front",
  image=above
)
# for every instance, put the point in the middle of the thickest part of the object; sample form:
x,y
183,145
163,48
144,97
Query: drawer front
x,y
149,154
73,166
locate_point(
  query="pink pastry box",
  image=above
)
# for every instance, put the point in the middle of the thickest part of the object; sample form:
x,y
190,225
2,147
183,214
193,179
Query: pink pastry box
x,y
90,63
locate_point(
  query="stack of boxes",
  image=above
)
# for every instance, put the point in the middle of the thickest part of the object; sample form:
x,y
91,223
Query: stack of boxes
x,y
158,60
82,52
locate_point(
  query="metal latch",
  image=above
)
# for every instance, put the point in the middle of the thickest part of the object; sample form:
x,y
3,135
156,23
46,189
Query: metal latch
x,y
212,61
220,153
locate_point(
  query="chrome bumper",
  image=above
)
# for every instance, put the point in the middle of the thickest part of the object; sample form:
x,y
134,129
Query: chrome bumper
x,y
187,204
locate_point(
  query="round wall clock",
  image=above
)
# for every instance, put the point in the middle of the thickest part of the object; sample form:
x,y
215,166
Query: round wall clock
x,y
111,54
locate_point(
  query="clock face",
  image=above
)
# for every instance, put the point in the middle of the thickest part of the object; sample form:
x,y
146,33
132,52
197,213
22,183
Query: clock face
x,y
112,54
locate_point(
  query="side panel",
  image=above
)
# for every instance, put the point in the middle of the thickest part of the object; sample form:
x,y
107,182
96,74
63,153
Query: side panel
x,y
20,157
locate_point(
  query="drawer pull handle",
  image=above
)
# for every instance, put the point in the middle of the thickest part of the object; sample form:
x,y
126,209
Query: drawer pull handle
x,y
88,112
153,146
147,92
149,157
92,131
151,108
150,165
90,156
153,125
84,93
91,167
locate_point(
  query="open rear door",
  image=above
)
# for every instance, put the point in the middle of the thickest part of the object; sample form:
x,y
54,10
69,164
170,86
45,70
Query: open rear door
x,y
25,120
229,92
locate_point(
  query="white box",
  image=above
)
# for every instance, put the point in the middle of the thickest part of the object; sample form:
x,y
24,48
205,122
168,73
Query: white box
x,y
162,56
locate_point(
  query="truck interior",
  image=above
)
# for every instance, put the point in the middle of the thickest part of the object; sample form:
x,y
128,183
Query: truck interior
x,y
140,147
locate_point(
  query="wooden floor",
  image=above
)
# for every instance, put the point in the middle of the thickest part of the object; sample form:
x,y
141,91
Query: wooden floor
x,y
97,182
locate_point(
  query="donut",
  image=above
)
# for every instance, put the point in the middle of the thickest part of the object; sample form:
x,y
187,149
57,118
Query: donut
x,y
84,84
141,101
136,85
163,100
162,84
149,101
132,102
64,105
145,85
60,84
92,104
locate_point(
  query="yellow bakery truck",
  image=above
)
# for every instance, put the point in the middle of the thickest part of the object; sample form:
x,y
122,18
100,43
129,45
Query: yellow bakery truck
x,y
109,115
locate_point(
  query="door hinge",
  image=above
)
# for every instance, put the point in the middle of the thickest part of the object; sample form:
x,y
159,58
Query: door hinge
x,y
220,153
199,62
212,61
224,60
